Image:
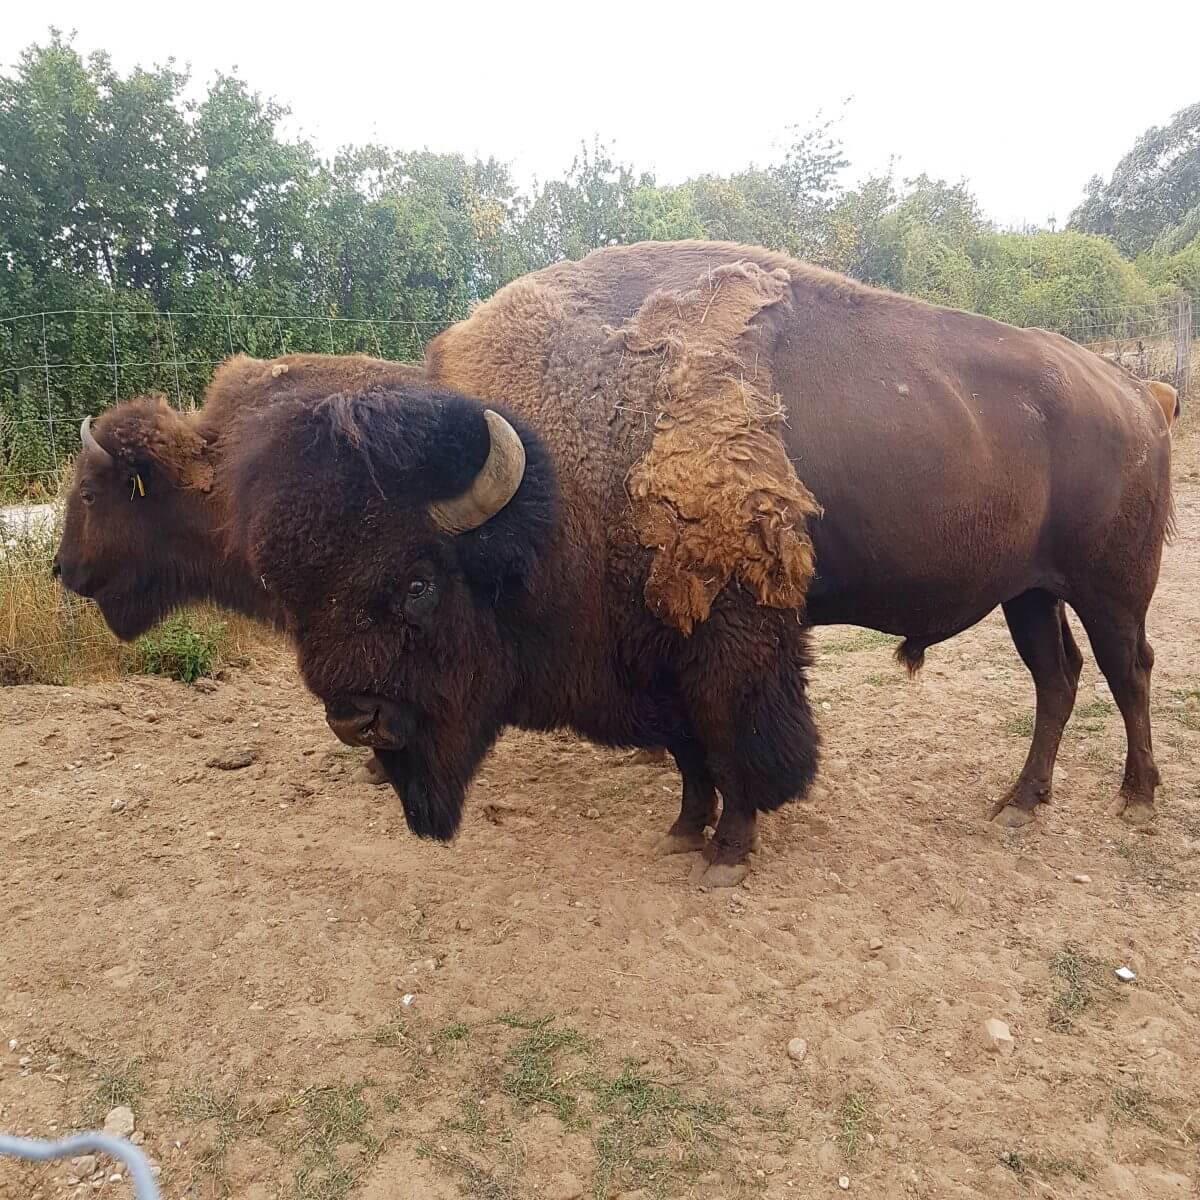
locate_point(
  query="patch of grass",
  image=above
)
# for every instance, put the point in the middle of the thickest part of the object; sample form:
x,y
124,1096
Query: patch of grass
x,y
457,1032
472,1120
117,1085
1080,980
393,1033
333,1118
650,1133
479,1183
875,679
855,1119
862,639
1189,715
1134,1103
184,647
1019,725
229,1117
533,1075
1090,718
1024,1165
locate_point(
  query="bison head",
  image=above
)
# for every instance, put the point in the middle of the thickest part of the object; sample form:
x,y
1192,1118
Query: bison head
x,y
402,529
141,530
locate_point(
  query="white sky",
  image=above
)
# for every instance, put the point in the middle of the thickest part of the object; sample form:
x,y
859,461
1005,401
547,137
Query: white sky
x,y
1024,100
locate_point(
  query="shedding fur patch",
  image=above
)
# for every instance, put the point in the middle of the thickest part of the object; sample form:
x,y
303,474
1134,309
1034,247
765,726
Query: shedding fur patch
x,y
715,496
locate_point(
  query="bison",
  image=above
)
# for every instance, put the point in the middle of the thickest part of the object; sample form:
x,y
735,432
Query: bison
x,y
629,484
145,531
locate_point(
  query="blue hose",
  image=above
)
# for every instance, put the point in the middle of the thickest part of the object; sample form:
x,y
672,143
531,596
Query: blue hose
x,y
144,1186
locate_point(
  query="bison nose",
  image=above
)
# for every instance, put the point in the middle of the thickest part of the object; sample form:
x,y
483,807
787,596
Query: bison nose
x,y
368,721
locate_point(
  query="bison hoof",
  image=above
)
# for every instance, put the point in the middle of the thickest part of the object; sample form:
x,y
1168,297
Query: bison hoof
x,y
680,843
723,875
1138,813
1013,816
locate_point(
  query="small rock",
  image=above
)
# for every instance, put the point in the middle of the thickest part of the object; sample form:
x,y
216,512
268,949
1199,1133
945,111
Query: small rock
x,y
1125,975
844,1182
233,760
1082,878
119,1122
137,1137
797,1048
206,686
117,805
464,924
150,715
84,1166
876,944
1000,1040
592,814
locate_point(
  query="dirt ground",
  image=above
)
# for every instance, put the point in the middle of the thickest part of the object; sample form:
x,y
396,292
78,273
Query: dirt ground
x,y
300,1001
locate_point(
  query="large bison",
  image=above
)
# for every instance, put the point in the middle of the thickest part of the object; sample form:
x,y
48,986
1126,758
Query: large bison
x,y
584,520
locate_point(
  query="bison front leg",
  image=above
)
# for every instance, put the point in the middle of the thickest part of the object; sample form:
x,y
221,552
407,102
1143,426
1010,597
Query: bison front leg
x,y
699,807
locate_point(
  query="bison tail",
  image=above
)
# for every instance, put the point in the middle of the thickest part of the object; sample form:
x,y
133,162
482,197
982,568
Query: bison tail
x,y
911,655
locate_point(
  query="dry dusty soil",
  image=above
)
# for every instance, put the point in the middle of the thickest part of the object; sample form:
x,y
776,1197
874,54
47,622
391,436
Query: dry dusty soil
x,y
301,1001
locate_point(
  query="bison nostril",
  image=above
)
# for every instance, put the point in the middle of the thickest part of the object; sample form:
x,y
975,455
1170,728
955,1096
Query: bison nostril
x,y
56,568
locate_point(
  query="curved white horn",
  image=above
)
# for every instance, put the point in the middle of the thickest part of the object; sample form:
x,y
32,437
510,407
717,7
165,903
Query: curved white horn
x,y
492,488
90,444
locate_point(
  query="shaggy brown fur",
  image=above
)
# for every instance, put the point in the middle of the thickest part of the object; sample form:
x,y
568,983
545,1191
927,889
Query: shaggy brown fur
x,y
716,497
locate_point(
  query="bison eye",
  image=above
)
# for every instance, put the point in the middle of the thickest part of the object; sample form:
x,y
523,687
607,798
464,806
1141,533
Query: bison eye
x,y
87,497
417,587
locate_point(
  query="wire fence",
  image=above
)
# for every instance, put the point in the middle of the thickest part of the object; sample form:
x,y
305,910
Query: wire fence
x,y
58,367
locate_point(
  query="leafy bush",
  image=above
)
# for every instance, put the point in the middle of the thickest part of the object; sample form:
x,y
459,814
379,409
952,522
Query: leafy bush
x,y
184,647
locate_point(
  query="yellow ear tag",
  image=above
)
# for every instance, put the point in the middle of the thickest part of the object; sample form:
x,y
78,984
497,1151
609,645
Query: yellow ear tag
x,y
139,486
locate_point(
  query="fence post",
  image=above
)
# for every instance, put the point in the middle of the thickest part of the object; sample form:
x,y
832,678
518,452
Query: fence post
x,y
1183,345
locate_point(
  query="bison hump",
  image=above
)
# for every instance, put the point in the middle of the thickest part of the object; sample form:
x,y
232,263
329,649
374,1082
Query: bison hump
x,y
716,498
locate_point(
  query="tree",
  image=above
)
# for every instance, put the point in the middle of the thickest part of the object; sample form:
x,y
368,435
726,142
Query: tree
x,y
1154,193
93,167
583,211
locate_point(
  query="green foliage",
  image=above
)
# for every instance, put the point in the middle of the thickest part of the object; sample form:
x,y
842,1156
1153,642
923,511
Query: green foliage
x,y
160,233
1051,279
183,648
1153,197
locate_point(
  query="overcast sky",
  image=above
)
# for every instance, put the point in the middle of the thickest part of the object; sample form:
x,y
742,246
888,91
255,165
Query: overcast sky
x,y
1026,101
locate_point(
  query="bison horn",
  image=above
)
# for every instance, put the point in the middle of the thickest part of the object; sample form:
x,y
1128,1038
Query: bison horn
x,y
91,445
492,488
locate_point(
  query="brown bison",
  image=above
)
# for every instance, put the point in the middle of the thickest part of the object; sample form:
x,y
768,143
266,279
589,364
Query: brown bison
x,y
145,531
605,509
